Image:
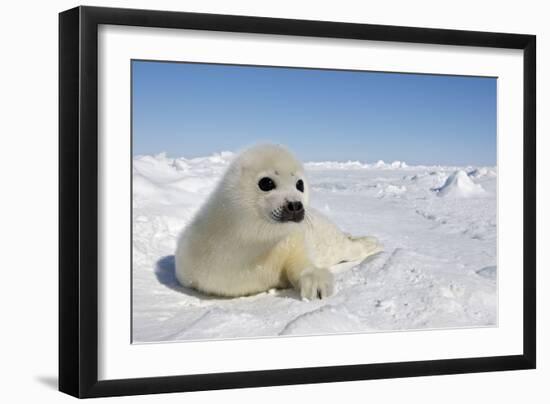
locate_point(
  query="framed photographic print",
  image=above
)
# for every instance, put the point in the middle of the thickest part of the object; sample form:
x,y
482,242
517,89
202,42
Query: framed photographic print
x,y
250,201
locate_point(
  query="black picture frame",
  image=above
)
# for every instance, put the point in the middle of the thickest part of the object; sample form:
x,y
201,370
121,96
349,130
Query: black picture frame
x,y
78,201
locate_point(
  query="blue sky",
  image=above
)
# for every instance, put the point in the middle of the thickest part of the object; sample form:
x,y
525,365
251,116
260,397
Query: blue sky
x,y
192,110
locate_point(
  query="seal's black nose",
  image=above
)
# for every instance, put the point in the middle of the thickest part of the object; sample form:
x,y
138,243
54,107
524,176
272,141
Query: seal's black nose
x,y
295,207
293,211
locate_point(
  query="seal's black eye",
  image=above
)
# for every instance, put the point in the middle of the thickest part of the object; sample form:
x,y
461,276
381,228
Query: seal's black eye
x,y
266,184
300,185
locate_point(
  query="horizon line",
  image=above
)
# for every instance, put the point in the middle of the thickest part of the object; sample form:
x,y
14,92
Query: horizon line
x,y
362,162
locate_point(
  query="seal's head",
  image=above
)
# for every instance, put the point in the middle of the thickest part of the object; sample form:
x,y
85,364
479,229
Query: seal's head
x,y
272,184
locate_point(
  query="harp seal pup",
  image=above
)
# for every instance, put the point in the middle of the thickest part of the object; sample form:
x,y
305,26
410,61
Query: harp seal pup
x,y
256,232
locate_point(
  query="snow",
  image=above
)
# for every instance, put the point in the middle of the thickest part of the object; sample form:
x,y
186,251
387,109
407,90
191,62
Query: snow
x,y
438,268
459,184
347,165
481,172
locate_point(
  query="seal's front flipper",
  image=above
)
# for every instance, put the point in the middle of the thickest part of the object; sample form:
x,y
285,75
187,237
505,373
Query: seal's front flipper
x,y
370,245
344,266
357,249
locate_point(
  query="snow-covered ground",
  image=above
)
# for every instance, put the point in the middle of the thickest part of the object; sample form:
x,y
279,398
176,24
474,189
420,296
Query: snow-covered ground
x,y
438,268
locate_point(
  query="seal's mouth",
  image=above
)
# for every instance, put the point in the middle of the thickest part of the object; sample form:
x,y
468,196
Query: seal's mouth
x,y
282,215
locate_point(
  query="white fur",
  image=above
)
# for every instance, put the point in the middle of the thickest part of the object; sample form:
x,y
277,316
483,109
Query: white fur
x,y
235,247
